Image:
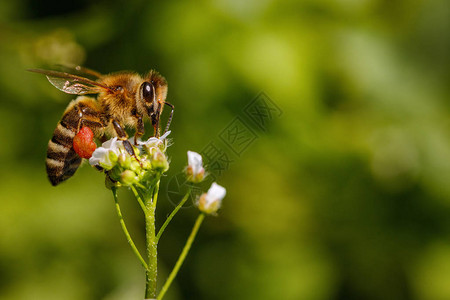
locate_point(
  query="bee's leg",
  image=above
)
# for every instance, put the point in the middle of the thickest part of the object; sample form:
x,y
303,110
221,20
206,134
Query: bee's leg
x,y
103,138
155,123
139,129
122,135
170,117
93,124
156,118
89,117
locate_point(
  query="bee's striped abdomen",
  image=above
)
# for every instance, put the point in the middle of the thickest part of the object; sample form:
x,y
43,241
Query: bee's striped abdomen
x,y
62,161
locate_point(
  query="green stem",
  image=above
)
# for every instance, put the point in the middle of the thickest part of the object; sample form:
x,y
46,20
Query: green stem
x,y
155,194
172,214
125,230
138,190
139,199
151,274
183,255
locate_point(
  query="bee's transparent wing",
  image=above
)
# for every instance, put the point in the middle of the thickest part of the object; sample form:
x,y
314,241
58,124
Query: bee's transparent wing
x,y
72,84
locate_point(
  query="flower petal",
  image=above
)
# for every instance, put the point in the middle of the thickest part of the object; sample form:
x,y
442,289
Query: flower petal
x,y
106,155
195,162
216,192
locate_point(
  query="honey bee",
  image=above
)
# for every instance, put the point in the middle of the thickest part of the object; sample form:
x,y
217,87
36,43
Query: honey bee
x,y
123,99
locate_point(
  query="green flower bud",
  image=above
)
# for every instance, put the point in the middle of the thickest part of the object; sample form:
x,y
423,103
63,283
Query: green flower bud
x,y
128,177
159,161
124,160
195,177
113,157
135,166
136,151
145,163
110,161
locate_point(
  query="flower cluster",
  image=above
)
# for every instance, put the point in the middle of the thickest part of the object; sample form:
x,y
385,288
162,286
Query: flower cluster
x,y
149,160
122,168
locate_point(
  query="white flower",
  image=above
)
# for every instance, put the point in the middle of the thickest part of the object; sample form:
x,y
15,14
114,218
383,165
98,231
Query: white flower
x,y
159,160
195,171
211,201
195,162
106,155
155,142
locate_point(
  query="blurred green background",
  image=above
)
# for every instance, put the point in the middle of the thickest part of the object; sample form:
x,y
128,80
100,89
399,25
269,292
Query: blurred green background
x,y
346,195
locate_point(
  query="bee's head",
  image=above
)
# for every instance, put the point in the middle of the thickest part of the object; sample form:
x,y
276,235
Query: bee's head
x,y
152,94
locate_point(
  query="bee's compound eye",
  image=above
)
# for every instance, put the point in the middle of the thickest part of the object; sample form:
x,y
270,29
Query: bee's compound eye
x,y
147,91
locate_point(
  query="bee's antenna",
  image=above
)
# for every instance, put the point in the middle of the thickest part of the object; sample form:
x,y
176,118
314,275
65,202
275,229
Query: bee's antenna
x,y
170,117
